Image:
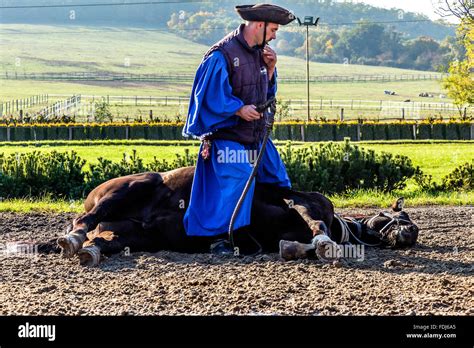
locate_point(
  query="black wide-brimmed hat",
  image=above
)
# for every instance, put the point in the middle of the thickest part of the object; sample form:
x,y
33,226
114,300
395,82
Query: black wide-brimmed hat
x,y
265,13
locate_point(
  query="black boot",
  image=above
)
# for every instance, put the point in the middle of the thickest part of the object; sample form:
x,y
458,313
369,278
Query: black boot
x,y
221,247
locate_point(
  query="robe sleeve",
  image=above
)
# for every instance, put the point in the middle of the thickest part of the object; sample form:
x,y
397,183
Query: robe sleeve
x,y
212,104
272,85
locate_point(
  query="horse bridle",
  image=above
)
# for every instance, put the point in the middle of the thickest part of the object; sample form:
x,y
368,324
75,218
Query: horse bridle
x,y
346,229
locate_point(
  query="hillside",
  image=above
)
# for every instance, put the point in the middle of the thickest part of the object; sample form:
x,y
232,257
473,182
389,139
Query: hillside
x,y
156,15
42,48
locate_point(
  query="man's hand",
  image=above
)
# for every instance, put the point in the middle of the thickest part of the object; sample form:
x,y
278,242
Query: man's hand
x,y
270,58
248,113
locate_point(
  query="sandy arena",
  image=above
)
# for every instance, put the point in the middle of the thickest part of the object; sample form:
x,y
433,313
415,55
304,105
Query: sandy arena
x,y
435,277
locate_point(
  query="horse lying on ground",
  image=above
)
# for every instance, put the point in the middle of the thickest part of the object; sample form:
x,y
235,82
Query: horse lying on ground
x,y
144,212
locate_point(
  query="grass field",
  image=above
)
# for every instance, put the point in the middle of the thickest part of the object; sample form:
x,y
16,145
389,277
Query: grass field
x,y
40,48
11,89
437,159
337,93
356,199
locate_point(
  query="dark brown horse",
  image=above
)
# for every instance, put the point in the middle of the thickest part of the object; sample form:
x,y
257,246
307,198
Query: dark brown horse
x,y
144,212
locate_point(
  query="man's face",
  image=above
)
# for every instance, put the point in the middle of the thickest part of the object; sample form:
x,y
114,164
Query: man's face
x,y
271,31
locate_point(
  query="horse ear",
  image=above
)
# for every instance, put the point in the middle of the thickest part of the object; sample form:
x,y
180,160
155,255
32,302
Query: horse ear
x,y
398,204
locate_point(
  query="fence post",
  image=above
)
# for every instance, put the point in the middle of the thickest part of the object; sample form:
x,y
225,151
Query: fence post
x,y
70,133
414,131
8,133
472,131
358,131
342,114
403,113
127,130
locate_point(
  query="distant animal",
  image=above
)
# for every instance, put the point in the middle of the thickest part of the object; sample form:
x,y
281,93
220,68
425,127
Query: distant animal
x,y
390,92
425,95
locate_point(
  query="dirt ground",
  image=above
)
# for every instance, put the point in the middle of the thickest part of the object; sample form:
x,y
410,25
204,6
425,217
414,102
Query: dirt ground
x,y
435,277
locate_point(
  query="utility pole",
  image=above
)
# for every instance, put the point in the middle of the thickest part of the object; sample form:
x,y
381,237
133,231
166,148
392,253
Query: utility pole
x,y
308,21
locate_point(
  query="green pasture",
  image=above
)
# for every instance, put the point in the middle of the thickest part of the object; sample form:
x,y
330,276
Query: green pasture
x,y
15,89
54,49
338,93
437,158
45,48
361,198
42,48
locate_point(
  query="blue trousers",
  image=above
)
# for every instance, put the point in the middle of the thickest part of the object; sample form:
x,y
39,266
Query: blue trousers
x,y
219,182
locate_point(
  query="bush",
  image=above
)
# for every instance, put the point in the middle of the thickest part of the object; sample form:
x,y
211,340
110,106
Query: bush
x,y
35,174
461,178
328,168
107,170
335,168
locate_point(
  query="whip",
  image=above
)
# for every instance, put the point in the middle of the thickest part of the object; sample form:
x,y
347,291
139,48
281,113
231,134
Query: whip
x,y
268,108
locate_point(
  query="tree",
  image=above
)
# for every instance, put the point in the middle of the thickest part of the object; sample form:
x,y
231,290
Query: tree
x,y
460,82
454,50
365,40
422,53
462,9
102,111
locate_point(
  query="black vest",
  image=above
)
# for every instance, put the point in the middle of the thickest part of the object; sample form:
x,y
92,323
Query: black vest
x,y
248,78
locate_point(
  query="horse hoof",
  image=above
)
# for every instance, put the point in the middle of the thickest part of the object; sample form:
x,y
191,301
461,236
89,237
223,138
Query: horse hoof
x,y
294,250
89,256
69,245
326,249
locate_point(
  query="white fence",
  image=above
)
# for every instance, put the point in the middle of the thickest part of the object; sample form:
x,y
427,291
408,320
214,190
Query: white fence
x,y
187,77
63,107
381,108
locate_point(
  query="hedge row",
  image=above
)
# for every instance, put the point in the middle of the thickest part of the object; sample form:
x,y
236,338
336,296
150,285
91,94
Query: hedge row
x,y
329,167
326,167
294,132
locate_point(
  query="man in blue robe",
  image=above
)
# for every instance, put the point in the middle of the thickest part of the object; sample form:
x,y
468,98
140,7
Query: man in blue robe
x,y
235,75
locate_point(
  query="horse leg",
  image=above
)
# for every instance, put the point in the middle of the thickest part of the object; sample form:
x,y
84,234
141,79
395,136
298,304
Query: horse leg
x,y
321,244
72,242
112,238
